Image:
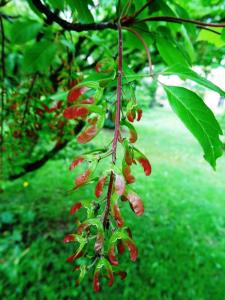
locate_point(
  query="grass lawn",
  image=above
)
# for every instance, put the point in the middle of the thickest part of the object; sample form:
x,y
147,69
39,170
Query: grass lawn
x,y
181,237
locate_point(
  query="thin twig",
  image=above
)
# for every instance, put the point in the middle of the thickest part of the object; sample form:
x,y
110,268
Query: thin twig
x,y
179,20
138,12
146,48
2,94
28,96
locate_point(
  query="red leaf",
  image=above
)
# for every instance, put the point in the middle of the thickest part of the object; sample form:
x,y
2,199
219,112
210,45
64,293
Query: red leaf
x,y
75,93
146,165
75,208
117,216
120,247
69,238
139,114
74,112
87,135
119,185
132,249
127,174
76,162
112,256
99,186
135,203
82,179
96,283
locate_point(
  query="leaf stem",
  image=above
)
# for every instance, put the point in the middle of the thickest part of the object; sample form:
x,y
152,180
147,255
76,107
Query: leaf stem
x,y
117,124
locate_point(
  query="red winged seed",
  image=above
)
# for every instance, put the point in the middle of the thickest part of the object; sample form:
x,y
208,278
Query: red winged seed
x,y
132,249
99,186
76,162
75,94
75,208
69,238
87,135
74,112
82,179
96,283
112,256
117,216
119,185
120,247
139,114
135,203
146,165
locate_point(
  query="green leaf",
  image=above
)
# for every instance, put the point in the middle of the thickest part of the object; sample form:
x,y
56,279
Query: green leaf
x,y
212,38
185,72
223,34
199,119
170,53
39,56
57,4
81,6
24,31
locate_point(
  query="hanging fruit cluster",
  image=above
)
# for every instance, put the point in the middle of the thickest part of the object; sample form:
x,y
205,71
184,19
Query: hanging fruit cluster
x,y
101,234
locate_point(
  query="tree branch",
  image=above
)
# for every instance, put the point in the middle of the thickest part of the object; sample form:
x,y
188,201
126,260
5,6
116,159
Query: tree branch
x,y
179,20
52,17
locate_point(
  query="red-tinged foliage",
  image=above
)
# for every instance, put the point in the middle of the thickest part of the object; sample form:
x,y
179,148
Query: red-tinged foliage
x,y
119,185
69,238
99,242
76,162
132,249
130,116
75,94
121,274
112,256
96,283
74,112
146,165
135,203
75,208
127,175
87,135
99,186
120,247
117,216
139,114
83,178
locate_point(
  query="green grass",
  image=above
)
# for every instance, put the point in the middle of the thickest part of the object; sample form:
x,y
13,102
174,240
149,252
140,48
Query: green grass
x,y
180,237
